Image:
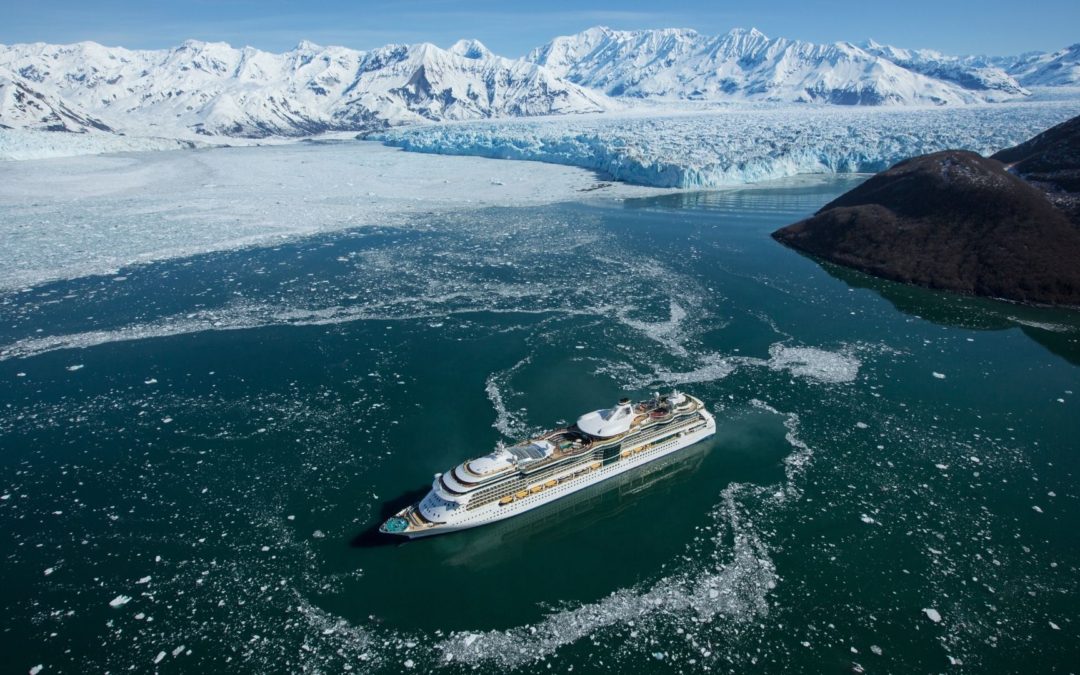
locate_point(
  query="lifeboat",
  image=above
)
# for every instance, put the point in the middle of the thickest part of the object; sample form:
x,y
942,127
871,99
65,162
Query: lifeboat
x,y
551,483
626,453
506,500
536,488
522,494
596,465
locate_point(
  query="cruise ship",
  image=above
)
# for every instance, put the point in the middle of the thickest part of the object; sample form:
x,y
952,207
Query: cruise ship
x,y
512,480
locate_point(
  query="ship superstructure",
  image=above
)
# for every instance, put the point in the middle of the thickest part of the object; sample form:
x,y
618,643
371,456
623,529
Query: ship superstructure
x,y
512,480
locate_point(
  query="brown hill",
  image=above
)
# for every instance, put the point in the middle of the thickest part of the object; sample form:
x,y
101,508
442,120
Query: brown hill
x,y
957,221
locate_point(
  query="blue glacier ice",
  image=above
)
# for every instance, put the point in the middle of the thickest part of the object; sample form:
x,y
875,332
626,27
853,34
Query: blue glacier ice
x,y
715,148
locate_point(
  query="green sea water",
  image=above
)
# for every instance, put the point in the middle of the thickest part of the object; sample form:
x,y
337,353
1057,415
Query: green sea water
x,y
195,453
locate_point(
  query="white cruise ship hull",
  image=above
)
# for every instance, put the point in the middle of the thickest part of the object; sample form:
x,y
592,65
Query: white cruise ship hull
x,y
494,511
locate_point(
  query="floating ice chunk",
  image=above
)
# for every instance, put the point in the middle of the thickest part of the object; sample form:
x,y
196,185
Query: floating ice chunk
x,y
119,601
144,580
1036,509
1054,625
943,467
875,649
150,381
867,519
862,425
75,367
940,376
815,364
49,570
318,534
933,615
409,663
36,669
159,657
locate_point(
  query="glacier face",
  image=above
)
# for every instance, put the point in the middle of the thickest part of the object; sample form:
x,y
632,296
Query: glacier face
x,y
212,89
739,145
747,65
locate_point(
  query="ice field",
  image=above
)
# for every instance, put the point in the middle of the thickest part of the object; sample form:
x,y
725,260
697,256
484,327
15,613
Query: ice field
x,y
90,215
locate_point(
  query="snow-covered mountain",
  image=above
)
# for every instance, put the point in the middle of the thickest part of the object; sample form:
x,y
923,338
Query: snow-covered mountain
x,y
1039,69
215,89
22,106
746,64
974,73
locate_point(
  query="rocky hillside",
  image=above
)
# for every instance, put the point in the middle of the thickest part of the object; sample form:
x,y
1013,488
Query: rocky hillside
x,y
957,221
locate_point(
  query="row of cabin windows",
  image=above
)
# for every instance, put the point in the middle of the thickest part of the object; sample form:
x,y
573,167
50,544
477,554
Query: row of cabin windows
x,y
501,489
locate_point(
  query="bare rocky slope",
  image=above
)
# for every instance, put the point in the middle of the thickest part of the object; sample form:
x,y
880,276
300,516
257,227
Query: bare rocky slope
x,y
957,221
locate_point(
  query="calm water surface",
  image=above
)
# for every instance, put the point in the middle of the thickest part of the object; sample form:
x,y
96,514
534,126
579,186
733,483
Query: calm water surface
x,y
207,443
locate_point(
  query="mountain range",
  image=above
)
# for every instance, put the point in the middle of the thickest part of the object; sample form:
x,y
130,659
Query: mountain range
x,y
213,89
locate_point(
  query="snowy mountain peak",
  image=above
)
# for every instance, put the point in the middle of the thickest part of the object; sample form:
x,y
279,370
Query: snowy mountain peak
x,y
745,64
471,49
970,73
212,88
747,32
1037,69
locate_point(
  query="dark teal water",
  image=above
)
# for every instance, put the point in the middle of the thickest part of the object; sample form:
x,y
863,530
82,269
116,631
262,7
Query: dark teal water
x,y
215,437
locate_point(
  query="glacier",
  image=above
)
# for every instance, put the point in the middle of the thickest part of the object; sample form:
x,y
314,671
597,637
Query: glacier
x,y
740,144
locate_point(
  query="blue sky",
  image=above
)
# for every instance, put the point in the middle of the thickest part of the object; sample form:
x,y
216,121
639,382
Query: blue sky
x,y
511,28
